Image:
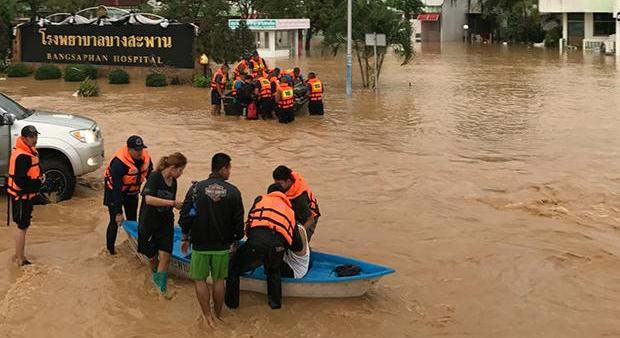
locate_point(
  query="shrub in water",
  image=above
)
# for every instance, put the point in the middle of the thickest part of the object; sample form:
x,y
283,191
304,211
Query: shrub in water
x,y
80,72
47,72
88,88
201,81
18,70
156,80
118,76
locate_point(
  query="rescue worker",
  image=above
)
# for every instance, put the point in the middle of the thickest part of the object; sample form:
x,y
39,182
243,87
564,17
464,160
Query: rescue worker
x,y
274,79
218,85
270,230
303,200
265,97
258,63
243,66
23,184
293,75
285,100
212,220
130,167
237,93
315,91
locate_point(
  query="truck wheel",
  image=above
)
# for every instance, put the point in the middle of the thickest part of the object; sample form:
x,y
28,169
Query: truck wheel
x,y
59,180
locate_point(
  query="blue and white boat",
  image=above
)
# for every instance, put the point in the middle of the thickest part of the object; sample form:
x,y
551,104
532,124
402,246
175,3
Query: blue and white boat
x,y
320,282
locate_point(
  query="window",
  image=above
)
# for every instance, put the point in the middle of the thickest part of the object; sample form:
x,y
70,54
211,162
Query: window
x,y
604,24
282,40
262,39
576,24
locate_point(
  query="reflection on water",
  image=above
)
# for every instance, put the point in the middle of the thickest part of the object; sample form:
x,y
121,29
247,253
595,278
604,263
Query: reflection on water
x,y
486,175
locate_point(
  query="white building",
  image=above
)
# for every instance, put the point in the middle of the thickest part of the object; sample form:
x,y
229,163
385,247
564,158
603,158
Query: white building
x,y
443,20
276,37
587,23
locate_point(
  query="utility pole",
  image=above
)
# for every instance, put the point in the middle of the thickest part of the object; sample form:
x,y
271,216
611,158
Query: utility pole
x,y
349,53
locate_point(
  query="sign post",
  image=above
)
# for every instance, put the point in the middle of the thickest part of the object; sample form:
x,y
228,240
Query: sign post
x,y
349,52
375,40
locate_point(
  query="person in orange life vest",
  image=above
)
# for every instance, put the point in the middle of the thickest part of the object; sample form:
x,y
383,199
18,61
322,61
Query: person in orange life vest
x,y
274,79
258,63
265,97
315,92
218,85
128,169
23,186
242,67
270,231
293,75
302,198
285,101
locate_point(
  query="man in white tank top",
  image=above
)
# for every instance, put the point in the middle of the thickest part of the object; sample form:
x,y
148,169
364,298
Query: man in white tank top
x,y
296,264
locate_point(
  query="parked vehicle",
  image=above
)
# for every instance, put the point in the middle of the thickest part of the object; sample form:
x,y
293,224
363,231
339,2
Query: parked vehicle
x,y
69,145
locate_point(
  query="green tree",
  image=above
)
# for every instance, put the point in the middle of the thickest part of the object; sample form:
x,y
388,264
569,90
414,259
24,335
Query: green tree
x,y
6,31
371,16
516,20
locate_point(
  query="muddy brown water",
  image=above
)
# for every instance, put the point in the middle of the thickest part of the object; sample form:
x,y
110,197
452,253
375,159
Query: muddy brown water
x,y
488,177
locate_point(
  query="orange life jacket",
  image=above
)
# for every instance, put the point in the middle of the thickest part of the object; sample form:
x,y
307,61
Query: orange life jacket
x,y
135,176
222,83
273,211
34,172
289,72
234,87
265,88
299,187
241,67
287,96
316,89
257,65
276,80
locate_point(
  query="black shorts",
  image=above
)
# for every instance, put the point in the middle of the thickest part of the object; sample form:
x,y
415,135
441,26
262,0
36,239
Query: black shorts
x,y
315,107
216,99
22,213
150,241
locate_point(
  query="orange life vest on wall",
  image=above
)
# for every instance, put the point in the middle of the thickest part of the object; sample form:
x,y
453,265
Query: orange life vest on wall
x,y
316,89
299,187
34,172
287,96
273,211
135,176
222,83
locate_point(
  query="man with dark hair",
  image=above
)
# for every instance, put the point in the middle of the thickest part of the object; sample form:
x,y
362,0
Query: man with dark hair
x,y
212,220
285,101
303,200
315,93
23,184
271,230
218,85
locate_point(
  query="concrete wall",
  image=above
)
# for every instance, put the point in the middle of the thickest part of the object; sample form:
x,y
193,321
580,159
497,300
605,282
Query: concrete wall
x,y
576,6
453,17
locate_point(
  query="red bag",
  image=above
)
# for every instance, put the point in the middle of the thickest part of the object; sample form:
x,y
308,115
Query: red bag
x,y
252,113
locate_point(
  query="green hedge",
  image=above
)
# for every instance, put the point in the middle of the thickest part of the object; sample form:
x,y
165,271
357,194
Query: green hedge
x,y
118,76
88,88
80,72
18,70
48,72
201,81
156,80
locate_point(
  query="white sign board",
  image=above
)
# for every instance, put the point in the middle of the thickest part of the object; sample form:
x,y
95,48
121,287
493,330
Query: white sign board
x,y
380,39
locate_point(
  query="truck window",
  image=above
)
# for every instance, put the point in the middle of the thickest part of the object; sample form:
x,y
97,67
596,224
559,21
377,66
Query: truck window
x,y
8,105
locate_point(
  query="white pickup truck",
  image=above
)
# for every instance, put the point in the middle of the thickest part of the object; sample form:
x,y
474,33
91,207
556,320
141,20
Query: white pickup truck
x,y
69,145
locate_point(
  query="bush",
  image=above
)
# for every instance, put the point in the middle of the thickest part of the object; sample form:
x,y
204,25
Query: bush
x,y
48,72
156,80
80,72
175,81
201,81
88,88
18,70
118,76
553,36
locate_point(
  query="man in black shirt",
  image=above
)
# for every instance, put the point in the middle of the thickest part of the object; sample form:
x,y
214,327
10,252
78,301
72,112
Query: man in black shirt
x,y
211,219
23,185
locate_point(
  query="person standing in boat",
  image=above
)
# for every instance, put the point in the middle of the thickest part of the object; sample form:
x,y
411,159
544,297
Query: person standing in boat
x,y
271,230
211,220
156,222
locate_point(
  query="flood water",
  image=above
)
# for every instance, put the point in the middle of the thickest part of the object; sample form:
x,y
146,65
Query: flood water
x,y
488,177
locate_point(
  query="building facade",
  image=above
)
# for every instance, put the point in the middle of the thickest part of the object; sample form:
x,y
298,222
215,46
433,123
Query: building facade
x,y
276,37
443,20
587,23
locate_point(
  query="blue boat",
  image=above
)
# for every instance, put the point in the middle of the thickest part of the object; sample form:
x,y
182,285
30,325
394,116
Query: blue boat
x,y
320,281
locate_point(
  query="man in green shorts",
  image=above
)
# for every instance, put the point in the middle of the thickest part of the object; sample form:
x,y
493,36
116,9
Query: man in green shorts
x,y
212,221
